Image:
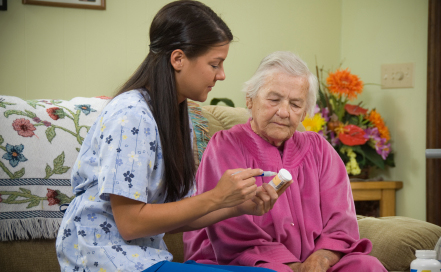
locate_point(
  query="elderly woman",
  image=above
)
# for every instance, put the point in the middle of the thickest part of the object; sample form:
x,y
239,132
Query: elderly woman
x,y
313,226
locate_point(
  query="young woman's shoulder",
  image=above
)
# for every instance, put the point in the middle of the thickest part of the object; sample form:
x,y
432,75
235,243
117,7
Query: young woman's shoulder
x,y
131,104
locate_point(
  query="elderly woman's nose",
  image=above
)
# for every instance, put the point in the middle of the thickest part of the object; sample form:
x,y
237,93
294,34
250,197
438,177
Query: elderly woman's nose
x,y
283,111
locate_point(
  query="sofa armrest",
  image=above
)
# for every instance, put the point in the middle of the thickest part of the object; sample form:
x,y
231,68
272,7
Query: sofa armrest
x,y
396,238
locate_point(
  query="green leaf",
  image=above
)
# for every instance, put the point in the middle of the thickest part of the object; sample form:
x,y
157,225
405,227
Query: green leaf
x,y
78,149
50,133
48,171
390,160
18,174
11,112
373,157
11,197
59,161
1,139
64,199
61,170
30,114
61,114
227,101
3,104
34,202
26,191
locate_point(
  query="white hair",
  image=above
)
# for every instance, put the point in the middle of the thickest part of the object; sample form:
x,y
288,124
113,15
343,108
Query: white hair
x,y
285,62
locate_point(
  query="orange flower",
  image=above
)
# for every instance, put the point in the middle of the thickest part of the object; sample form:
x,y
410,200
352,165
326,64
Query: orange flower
x,y
377,120
342,82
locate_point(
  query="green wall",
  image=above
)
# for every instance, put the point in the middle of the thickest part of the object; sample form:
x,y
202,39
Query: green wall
x,y
379,32
51,52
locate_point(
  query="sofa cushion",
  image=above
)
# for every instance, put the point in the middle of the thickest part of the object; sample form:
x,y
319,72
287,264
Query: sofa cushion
x,y
396,238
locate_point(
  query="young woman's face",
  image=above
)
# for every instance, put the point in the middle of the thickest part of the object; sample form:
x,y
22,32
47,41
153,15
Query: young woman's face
x,y
196,77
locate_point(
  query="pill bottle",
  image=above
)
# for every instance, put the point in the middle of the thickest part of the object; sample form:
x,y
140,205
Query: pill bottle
x,y
425,262
281,178
438,250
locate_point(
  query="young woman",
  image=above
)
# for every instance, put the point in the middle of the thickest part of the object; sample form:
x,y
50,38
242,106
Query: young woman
x,y
134,173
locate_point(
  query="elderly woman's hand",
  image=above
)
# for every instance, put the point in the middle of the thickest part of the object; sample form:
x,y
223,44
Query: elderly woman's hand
x,y
319,261
263,202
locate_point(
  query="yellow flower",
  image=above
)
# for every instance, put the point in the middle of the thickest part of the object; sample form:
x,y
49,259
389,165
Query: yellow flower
x,y
124,137
150,164
135,255
315,123
79,164
103,127
91,198
98,235
102,270
76,246
137,195
352,166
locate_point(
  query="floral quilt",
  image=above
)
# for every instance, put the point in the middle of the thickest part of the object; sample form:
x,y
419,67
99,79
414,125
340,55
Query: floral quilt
x,y
39,143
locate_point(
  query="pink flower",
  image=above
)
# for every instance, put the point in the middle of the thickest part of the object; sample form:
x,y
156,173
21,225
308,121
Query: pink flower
x,y
24,127
36,120
46,123
382,149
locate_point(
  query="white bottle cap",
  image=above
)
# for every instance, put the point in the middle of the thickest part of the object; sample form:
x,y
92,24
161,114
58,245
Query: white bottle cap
x,y
284,175
425,254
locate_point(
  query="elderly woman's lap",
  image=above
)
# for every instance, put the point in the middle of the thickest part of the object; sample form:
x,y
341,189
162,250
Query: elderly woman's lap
x,y
359,263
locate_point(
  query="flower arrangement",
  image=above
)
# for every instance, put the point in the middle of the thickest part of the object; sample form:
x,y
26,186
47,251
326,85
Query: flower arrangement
x,y
359,135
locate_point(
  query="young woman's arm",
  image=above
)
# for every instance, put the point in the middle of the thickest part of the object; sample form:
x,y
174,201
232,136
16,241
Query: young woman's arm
x,y
135,219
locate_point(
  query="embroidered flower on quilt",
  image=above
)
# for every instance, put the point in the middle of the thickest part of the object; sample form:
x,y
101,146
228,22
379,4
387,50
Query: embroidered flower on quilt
x,y
85,108
135,130
13,154
24,127
52,197
56,113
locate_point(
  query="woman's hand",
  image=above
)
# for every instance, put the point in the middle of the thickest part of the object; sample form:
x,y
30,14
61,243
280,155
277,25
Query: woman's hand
x,y
235,187
263,202
319,261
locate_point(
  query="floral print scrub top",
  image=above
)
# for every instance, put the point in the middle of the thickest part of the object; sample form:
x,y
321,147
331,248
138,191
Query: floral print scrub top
x,y
121,155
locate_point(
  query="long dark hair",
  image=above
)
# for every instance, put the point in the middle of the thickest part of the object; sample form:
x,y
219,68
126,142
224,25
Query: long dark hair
x,y
192,27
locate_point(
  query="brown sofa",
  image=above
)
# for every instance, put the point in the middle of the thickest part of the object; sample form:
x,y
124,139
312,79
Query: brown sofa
x,y
394,239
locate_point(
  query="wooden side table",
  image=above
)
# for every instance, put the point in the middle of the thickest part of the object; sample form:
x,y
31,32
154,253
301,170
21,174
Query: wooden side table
x,y
384,191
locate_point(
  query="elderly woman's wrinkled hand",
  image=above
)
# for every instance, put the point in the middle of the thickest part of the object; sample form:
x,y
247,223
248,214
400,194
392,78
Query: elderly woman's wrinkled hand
x,y
319,261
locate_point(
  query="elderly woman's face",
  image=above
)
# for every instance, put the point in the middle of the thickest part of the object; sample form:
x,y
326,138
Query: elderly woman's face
x,y
279,107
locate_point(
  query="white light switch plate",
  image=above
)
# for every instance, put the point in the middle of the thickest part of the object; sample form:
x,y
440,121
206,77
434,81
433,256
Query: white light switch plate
x,y
397,75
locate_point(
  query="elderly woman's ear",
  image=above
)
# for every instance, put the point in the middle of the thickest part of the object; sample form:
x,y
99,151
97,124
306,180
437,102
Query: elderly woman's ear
x,y
249,102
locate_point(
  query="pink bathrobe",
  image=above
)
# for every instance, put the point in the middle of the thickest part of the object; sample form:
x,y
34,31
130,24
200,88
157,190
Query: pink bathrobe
x,y
315,212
